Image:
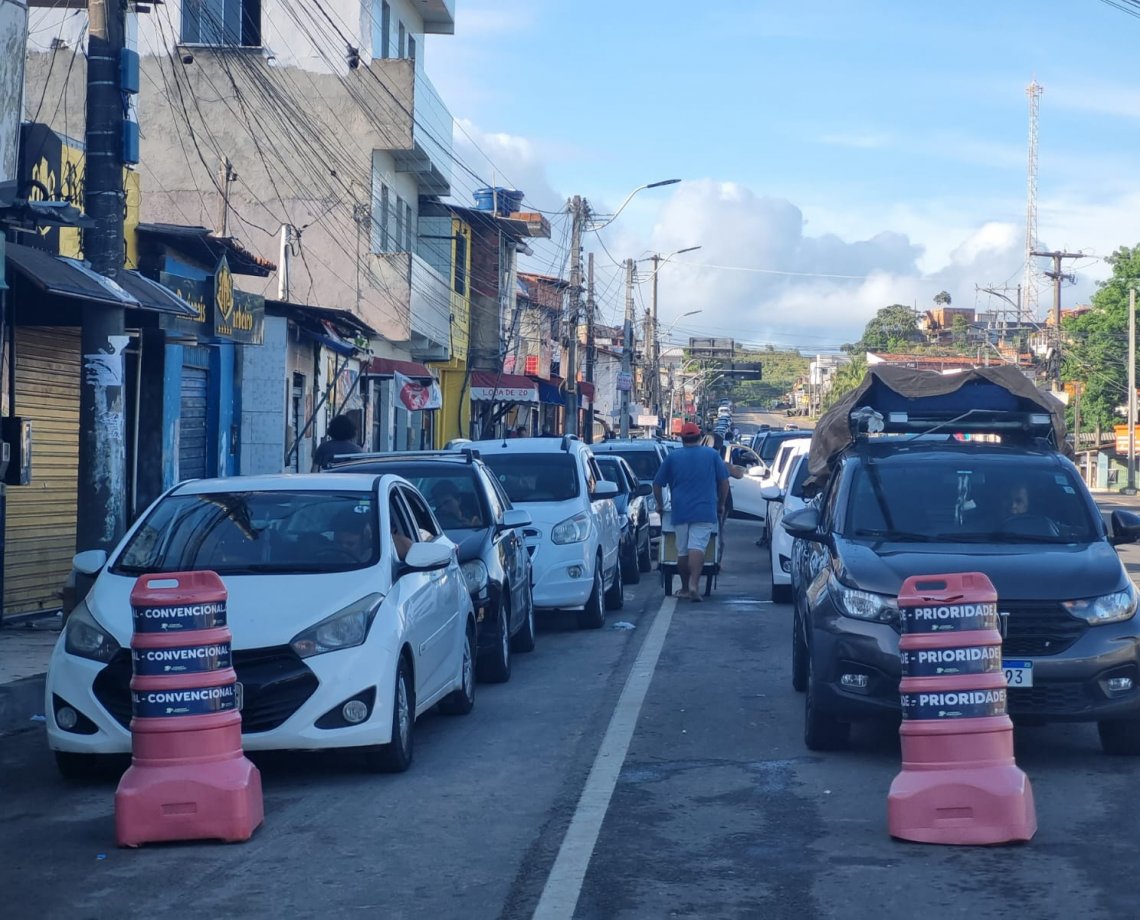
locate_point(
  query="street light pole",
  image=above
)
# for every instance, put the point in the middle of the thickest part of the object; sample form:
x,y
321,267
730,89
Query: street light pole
x,y
653,339
627,350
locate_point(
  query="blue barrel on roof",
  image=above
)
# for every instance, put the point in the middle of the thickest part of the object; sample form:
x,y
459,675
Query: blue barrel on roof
x,y
509,200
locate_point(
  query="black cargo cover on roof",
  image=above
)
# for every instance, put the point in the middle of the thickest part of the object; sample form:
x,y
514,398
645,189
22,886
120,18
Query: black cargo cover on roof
x,y
902,389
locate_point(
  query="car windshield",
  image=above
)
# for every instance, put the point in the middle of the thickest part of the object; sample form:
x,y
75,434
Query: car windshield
x,y
771,444
611,469
244,533
541,477
645,463
968,499
452,493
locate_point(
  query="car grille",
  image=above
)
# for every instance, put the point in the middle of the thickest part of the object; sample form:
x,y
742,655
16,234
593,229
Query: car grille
x,y
1050,699
1036,628
275,682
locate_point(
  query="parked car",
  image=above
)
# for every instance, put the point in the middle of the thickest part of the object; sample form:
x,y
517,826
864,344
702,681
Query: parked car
x,y
633,512
896,507
788,451
744,494
338,642
575,535
784,496
766,443
645,456
486,528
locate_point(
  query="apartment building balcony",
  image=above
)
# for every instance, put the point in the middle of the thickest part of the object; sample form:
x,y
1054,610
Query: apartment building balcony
x,y
422,137
438,16
414,289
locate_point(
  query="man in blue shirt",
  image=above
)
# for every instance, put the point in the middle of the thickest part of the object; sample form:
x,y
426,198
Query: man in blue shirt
x,y
698,493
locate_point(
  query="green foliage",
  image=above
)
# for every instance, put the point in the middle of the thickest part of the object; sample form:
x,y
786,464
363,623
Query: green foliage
x,y
1096,349
892,329
960,328
942,298
845,379
781,371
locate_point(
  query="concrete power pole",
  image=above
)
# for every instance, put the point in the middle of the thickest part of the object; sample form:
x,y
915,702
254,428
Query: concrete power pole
x,y
591,347
102,487
570,371
1131,391
653,344
627,350
1057,276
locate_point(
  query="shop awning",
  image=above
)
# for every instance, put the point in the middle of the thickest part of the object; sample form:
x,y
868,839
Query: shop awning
x,y
72,278
202,246
491,386
347,322
548,392
388,367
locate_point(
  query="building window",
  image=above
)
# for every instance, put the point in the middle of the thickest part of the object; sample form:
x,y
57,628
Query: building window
x,y
384,22
403,40
222,22
411,49
409,224
384,206
459,274
399,223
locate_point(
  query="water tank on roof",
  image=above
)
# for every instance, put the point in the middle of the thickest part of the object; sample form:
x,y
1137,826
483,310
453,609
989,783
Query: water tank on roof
x,y
502,201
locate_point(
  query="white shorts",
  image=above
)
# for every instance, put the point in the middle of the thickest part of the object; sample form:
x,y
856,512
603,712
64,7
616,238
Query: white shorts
x,y
694,536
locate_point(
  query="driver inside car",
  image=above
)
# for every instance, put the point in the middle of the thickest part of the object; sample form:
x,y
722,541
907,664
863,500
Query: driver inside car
x,y
352,534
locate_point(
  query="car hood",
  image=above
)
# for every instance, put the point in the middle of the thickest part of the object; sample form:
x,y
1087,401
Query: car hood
x,y
469,543
545,515
1018,571
261,610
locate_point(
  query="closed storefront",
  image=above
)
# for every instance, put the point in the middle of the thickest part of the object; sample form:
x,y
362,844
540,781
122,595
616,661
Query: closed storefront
x,y
40,531
192,438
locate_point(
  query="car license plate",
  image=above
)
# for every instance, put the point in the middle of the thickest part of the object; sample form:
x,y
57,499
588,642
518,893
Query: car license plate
x,y
239,695
1018,673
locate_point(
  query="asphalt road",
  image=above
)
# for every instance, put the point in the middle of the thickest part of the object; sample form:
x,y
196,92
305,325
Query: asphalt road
x,y
717,809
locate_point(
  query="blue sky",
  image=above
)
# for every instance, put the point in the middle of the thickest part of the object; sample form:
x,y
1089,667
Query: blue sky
x,y
881,140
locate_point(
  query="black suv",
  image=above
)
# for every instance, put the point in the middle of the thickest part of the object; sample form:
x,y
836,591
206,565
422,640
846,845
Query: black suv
x,y
478,518
893,508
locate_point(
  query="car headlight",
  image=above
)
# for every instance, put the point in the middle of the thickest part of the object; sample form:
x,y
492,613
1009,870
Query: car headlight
x,y
1110,608
344,629
865,605
651,504
86,638
572,530
475,574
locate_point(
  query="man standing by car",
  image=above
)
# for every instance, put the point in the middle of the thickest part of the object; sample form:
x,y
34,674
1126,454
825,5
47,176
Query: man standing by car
x,y
698,491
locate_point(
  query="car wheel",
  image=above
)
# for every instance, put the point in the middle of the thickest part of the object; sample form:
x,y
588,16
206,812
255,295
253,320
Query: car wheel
x,y
822,730
396,755
644,555
615,596
524,639
781,594
1120,738
594,615
76,767
462,700
496,668
630,572
799,656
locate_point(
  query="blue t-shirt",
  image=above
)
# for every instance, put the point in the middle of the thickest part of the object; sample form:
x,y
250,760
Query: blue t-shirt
x,y
692,474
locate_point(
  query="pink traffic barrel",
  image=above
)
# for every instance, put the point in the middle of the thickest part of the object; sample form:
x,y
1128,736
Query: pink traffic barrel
x,y
189,778
959,783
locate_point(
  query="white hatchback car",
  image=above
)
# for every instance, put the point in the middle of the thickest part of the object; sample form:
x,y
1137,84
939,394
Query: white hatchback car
x,y
575,534
784,497
337,640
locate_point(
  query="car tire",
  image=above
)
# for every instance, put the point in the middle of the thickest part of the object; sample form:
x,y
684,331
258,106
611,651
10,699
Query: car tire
x,y
496,668
462,700
630,572
594,614
615,596
396,755
644,555
822,730
799,656
1121,738
524,639
781,594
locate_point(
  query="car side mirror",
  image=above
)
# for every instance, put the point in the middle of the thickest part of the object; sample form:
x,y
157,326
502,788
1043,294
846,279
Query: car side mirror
x,y
644,488
1125,527
90,562
603,488
425,557
772,494
804,524
516,517
756,471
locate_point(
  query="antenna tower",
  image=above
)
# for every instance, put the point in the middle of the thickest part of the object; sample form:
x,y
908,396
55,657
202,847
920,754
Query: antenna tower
x,y
1029,300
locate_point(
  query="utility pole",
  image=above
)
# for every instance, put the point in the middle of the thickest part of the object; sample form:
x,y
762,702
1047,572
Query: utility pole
x,y
228,177
101,508
1132,391
591,347
1057,277
654,345
627,350
570,372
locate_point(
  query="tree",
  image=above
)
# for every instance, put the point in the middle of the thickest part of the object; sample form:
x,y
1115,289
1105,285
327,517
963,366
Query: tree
x,y
1096,347
893,328
845,380
942,299
961,330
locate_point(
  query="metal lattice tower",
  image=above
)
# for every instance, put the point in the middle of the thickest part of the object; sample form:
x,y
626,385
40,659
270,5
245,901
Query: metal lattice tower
x,y
1029,299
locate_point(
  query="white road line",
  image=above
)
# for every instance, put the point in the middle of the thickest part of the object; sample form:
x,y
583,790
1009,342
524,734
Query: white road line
x,y
564,884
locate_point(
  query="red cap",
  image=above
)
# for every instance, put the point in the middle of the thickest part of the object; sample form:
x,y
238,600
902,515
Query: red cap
x,y
690,430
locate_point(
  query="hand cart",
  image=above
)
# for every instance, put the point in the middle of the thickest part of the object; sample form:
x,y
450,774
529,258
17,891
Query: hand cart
x,y
667,559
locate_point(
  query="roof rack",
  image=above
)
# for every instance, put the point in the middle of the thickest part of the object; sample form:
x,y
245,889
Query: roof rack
x,y
567,439
470,454
865,421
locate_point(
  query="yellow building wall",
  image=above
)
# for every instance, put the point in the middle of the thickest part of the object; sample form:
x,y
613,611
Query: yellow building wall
x,y
454,419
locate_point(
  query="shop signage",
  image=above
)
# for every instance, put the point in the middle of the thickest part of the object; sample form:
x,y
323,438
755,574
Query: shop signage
x,y
222,313
624,381
505,394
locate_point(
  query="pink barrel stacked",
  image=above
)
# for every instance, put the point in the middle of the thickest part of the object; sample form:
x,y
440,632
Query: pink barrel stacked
x,y
188,779
959,783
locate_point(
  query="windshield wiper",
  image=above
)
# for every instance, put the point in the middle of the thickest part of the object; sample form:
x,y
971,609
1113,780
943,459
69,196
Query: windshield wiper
x,y
902,536
1004,536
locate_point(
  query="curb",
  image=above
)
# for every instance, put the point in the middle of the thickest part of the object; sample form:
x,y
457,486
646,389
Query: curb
x,y
20,701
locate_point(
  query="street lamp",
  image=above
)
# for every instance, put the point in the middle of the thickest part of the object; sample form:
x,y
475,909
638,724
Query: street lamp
x,y
628,199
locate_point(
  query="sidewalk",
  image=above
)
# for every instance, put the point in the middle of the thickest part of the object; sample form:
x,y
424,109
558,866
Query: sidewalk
x,y
24,653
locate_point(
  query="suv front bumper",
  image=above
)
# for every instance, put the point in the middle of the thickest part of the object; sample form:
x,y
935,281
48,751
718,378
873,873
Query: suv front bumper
x,y
556,587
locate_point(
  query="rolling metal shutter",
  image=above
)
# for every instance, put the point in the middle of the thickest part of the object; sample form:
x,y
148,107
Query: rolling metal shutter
x,y
40,529
192,426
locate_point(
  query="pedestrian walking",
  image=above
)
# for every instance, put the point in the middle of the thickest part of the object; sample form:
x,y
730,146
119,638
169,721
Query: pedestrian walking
x,y
698,494
341,440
